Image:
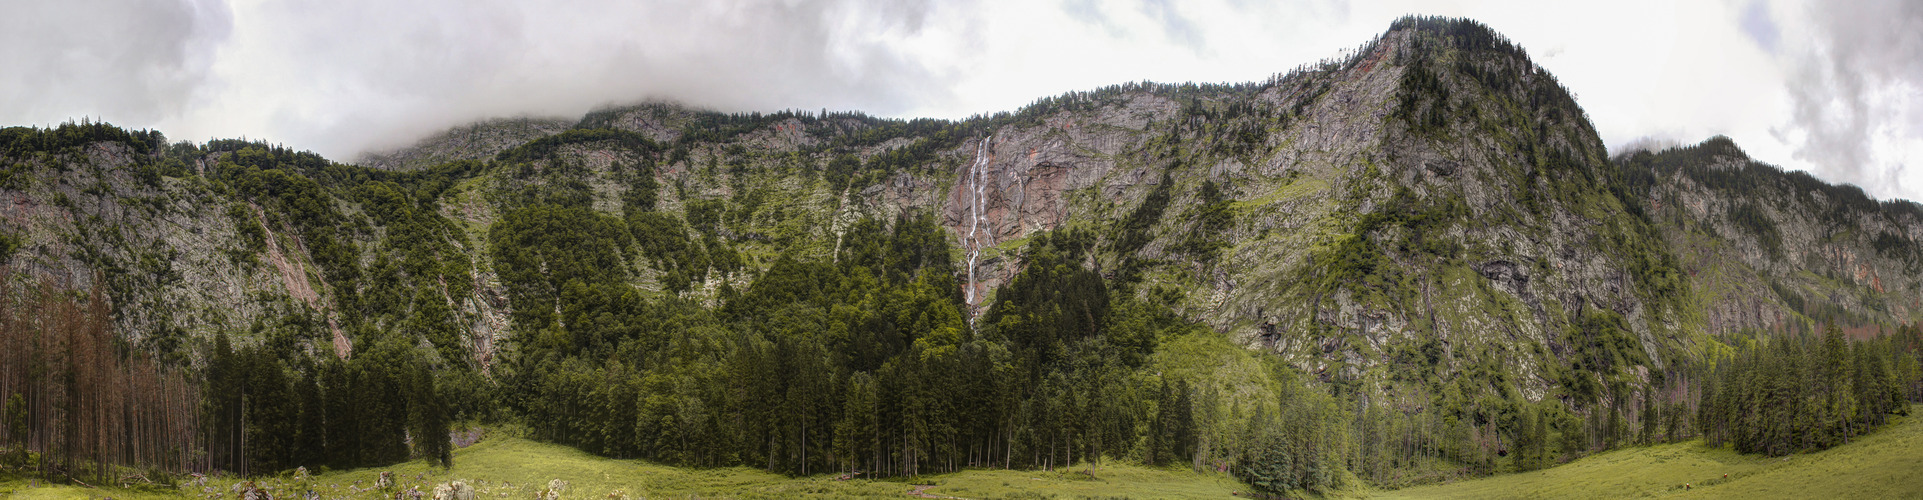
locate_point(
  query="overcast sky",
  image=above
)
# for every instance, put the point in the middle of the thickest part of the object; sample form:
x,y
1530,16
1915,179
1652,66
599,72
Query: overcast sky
x,y
1835,88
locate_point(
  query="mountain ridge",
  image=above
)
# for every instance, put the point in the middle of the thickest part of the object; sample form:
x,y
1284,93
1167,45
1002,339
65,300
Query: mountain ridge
x,y
1456,70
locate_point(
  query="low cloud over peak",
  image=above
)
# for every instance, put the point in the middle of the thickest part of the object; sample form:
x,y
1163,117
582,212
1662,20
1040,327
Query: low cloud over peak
x,y
1857,95
1829,88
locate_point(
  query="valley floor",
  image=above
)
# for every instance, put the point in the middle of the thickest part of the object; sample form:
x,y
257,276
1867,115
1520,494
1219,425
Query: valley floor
x,y
501,467
1886,465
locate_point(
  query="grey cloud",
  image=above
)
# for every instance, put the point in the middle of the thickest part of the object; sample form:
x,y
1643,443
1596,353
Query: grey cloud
x,y
1757,24
136,62
1652,143
1841,89
1092,12
343,76
1176,27
404,73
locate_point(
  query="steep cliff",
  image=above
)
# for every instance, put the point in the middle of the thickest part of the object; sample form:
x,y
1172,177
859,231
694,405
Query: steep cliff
x,y
1432,215
1779,251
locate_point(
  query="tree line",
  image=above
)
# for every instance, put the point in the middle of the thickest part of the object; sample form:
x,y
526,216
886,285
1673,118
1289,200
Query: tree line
x,y
1796,392
77,402
80,403
268,412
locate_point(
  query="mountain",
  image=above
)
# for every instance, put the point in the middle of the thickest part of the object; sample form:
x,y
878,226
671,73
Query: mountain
x,y
1435,195
1431,222
1773,250
475,141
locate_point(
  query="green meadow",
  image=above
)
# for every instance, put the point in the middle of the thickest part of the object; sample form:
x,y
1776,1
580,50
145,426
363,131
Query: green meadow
x,y
1885,465
507,467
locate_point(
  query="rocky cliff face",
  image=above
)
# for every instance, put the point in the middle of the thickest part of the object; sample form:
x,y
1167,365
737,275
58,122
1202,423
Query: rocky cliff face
x,y
1431,215
1779,251
476,141
170,250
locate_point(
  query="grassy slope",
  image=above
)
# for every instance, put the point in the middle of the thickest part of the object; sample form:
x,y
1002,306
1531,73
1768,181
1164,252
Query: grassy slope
x,y
518,468
1885,464
528,464
13,488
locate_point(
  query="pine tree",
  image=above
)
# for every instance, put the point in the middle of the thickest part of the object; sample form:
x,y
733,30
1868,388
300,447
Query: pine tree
x,y
1158,431
381,405
225,389
341,412
1526,444
855,434
310,447
271,415
1651,417
1183,432
430,419
16,425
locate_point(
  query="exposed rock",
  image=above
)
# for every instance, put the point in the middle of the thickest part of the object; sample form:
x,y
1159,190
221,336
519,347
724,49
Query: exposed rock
x,y
477,141
1355,230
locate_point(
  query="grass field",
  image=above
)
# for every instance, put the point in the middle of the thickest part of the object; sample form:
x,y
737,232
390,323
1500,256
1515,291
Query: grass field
x,y
505,467
518,468
1886,464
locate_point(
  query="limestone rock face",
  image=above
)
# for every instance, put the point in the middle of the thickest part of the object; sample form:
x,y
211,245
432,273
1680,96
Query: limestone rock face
x,y
163,249
476,141
1773,250
1433,205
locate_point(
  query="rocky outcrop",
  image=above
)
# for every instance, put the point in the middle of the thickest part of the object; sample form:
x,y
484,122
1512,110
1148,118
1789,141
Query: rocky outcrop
x,y
477,141
168,250
1780,250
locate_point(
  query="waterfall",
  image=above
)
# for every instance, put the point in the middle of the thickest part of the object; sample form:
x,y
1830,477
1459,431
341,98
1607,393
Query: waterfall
x,y
975,206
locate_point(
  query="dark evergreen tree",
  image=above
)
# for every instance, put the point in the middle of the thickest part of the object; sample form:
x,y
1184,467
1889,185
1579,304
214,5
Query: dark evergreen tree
x,y
272,413
430,422
310,445
341,406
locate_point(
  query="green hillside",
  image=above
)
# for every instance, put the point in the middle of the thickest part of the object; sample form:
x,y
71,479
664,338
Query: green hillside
x,y
1887,464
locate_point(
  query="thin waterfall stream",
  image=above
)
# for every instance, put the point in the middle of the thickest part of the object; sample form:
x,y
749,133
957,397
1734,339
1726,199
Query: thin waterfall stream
x,y
976,205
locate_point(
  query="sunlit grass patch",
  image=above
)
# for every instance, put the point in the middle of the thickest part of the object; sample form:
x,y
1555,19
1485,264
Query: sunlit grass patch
x,y
1885,464
506,467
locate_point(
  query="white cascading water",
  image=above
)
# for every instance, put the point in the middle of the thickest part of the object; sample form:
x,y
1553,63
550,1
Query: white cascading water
x,y
975,207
